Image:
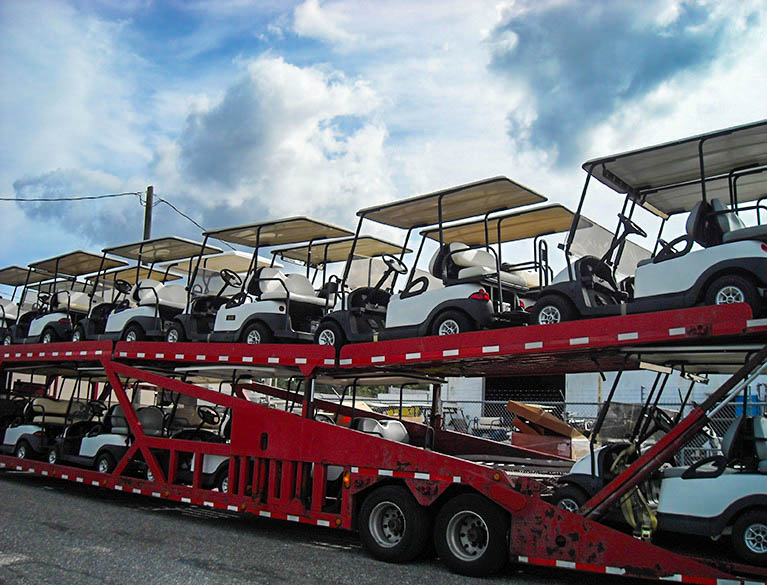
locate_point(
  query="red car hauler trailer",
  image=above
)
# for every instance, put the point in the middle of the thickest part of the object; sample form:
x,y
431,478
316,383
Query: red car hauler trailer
x,y
481,513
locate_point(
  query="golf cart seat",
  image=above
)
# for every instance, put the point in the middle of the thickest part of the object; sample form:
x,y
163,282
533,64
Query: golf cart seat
x,y
457,262
151,419
150,292
271,284
54,412
116,420
393,430
9,310
732,227
76,301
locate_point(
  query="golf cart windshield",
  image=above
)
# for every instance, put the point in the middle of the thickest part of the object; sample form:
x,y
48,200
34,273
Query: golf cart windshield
x,y
591,239
131,275
337,250
666,179
495,194
235,261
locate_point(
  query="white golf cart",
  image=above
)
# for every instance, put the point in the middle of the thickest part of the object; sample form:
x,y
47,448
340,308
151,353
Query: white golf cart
x,y
212,276
10,310
701,175
272,305
481,295
69,299
156,302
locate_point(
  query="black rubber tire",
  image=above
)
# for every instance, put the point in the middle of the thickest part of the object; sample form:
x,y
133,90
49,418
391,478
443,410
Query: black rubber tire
x,y
264,333
137,330
392,512
221,482
109,463
179,333
50,335
330,328
460,557
755,518
555,304
459,320
78,331
53,456
744,285
22,450
8,340
569,493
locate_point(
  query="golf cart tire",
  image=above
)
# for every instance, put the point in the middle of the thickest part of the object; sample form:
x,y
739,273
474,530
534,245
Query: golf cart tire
x,y
335,329
572,493
459,320
264,333
23,450
377,535
79,330
109,460
735,281
51,333
554,305
180,336
450,536
747,522
136,329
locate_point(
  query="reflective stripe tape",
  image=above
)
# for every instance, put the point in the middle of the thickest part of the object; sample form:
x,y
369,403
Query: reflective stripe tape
x,y
416,355
676,331
628,336
324,523
273,360
293,518
329,362
450,352
247,358
300,360
119,488
199,357
223,358
534,345
265,514
186,500
179,356
579,340
346,362
491,348
140,354
421,475
159,356
385,472
209,504
378,358
232,508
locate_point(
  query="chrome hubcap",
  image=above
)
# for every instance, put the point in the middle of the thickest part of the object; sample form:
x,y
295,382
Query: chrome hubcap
x,y
172,336
103,466
52,457
387,524
225,485
131,336
253,337
568,504
326,337
730,294
549,315
76,336
448,327
756,538
7,340
47,338
21,452
467,536
149,475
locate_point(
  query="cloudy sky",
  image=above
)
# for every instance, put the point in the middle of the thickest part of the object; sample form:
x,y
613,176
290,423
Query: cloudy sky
x,y
240,111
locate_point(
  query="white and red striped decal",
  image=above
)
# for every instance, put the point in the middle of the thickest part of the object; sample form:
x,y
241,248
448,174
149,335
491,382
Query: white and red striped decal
x,y
405,474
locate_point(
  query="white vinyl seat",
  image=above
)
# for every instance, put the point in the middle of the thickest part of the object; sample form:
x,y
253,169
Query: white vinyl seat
x,y
301,290
51,411
9,309
271,284
393,430
473,263
732,227
150,292
76,301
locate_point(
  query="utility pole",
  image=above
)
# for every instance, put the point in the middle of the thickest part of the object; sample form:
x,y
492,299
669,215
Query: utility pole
x,y
148,213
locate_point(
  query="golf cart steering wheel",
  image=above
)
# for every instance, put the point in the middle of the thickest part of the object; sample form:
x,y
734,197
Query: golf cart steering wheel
x,y
236,300
230,278
97,408
631,227
662,420
394,264
208,415
123,286
42,300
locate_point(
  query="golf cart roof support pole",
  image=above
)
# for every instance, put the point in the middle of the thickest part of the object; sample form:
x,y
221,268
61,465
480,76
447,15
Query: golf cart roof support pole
x,y
602,415
24,290
253,260
643,410
307,407
194,274
350,257
411,274
660,233
674,440
702,169
576,220
55,280
651,410
401,392
499,301
435,416
439,218
354,399
401,256
96,282
684,402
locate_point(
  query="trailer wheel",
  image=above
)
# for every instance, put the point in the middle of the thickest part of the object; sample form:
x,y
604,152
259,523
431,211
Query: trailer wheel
x,y
330,333
133,333
553,309
175,333
49,336
733,288
569,497
256,333
470,536
749,537
393,526
105,463
23,450
450,323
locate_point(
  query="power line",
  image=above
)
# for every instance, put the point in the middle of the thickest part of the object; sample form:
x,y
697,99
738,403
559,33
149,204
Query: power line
x,y
181,213
70,198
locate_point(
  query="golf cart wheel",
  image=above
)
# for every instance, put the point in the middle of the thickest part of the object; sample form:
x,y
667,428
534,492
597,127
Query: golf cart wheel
x,y
78,334
175,333
733,288
451,323
749,536
49,336
471,536
256,333
23,450
569,497
553,309
133,333
222,480
53,456
105,463
393,526
329,333
8,340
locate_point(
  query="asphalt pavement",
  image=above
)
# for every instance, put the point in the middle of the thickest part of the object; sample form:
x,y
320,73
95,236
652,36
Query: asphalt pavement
x,y
57,532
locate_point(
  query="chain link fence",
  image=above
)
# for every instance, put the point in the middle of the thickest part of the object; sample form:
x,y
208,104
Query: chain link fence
x,y
492,420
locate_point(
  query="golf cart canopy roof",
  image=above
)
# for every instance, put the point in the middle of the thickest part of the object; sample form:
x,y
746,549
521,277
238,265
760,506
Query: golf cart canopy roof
x,y
338,250
518,225
17,276
161,250
665,178
379,379
496,194
76,263
129,275
277,232
233,260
